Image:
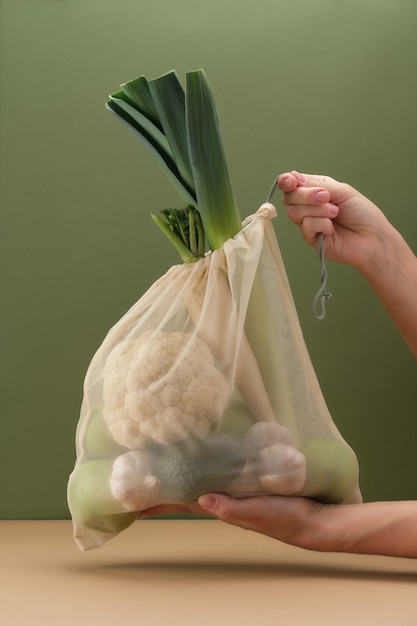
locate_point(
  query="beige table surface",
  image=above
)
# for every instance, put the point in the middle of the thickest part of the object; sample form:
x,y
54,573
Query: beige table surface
x,y
196,572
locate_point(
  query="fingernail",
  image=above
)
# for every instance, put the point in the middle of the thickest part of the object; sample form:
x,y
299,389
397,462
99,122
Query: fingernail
x,y
333,210
300,177
207,502
285,182
322,196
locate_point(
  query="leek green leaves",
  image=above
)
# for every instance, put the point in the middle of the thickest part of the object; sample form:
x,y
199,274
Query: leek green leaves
x,y
180,127
185,231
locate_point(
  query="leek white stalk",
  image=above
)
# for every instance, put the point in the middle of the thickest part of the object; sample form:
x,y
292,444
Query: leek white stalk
x,y
209,315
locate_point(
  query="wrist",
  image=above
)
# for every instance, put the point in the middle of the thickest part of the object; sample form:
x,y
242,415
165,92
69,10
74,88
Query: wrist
x,y
385,252
325,530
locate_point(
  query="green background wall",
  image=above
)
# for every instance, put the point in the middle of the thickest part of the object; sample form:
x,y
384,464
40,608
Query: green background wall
x,y
318,85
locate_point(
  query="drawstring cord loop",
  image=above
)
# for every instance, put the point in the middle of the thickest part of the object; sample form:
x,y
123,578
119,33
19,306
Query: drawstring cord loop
x,y
322,295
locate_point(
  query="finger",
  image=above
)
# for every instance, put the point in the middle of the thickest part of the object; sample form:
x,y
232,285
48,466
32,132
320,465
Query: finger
x,y
312,226
290,180
287,182
297,213
255,513
314,196
339,192
313,180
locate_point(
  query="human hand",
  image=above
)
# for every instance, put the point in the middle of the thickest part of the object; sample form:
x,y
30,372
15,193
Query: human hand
x,y
353,226
293,520
386,528
174,509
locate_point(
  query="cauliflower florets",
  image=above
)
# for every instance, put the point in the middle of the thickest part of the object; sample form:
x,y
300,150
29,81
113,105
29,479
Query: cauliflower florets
x,y
162,387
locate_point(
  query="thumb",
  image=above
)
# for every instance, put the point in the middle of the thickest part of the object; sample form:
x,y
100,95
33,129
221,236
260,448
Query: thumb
x,y
253,513
215,503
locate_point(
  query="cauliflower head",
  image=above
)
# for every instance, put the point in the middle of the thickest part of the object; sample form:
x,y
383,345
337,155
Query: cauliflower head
x,y
162,387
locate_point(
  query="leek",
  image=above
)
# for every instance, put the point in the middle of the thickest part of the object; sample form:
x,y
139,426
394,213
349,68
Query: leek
x,y
181,129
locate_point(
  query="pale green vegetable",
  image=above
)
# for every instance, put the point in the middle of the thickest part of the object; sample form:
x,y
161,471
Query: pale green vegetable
x,y
97,442
92,504
247,375
332,470
236,420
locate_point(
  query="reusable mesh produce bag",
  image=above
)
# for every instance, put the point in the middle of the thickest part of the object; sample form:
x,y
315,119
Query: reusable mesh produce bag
x,y
206,385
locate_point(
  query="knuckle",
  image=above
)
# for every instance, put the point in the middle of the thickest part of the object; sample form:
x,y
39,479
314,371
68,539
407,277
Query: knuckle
x,y
292,213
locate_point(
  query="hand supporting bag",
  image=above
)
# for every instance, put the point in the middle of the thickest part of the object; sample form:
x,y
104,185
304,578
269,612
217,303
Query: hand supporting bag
x,y
206,385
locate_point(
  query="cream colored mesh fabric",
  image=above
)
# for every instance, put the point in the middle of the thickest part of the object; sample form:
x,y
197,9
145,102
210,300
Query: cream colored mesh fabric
x,y
205,384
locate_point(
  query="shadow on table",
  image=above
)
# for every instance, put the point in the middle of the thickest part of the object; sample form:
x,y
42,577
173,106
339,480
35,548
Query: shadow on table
x,y
226,570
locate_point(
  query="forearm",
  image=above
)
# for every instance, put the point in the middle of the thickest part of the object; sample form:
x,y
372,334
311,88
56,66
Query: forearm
x,y
391,270
357,232
384,528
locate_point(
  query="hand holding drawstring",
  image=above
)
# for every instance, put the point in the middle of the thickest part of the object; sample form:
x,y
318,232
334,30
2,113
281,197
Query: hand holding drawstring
x,y
322,295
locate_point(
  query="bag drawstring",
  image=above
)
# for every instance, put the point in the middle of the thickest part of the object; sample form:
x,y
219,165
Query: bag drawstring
x,y
322,295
